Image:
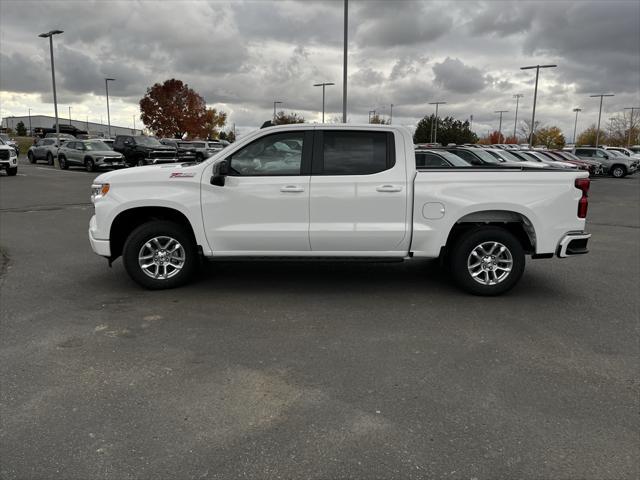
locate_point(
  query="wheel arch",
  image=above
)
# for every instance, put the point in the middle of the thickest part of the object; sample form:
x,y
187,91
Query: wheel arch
x,y
128,220
515,222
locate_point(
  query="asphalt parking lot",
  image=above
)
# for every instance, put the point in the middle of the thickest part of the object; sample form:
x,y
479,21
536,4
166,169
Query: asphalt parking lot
x,y
302,370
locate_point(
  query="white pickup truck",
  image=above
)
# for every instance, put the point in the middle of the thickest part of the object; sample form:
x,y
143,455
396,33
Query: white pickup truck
x,y
340,192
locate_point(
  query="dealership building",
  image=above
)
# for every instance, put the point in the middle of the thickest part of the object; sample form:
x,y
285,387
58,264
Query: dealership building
x,y
46,121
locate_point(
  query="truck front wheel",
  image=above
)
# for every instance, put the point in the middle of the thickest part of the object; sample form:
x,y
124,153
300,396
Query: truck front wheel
x,y
487,261
160,254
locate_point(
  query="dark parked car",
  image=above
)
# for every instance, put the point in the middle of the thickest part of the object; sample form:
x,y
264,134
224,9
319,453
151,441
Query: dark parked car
x,y
205,149
90,154
64,128
438,159
186,151
141,150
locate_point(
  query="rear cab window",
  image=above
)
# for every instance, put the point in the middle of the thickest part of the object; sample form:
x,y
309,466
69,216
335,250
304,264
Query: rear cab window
x,y
352,152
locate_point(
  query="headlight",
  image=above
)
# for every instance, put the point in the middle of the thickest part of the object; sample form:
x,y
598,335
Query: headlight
x,y
99,190
12,153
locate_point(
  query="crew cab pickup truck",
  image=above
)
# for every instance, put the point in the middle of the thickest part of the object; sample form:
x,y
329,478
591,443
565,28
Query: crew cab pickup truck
x,y
337,192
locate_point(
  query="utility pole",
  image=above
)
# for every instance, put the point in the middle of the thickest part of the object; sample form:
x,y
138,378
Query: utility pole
x,y
391,114
517,96
30,130
274,110
323,85
106,86
50,35
575,125
69,116
631,123
600,113
344,60
435,128
500,127
535,97
134,124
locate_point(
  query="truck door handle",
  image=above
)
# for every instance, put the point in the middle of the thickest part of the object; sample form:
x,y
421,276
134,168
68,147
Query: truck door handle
x,y
388,188
292,189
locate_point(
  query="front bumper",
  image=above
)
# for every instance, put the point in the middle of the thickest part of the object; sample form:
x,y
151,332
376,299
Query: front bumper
x,y
156,161
100,247
573,243
11,163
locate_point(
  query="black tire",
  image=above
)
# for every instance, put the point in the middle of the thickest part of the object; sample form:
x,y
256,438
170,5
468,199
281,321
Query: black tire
x,y
199,158
461,255
49,158
12,171
618,171
142,236
62,161
89,165
141,162
31,158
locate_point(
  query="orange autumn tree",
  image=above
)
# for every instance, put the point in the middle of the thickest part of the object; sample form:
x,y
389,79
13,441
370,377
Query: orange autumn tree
x,y
172,109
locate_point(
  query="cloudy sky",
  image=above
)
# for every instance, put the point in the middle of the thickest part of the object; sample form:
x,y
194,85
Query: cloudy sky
x,y
242,55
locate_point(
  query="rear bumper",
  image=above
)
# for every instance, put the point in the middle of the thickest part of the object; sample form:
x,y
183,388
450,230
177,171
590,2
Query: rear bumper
x,y
574,243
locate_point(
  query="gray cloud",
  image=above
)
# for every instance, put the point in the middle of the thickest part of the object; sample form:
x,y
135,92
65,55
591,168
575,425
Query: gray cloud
x,y
243,55
457,77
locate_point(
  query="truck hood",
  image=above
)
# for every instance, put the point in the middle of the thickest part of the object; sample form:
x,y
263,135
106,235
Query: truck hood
x,y
152,173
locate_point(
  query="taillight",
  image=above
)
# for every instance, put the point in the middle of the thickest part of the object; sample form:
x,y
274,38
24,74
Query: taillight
x,y
582,184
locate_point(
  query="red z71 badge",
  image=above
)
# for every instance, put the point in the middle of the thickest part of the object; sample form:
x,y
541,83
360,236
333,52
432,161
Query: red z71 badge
x,y
181,175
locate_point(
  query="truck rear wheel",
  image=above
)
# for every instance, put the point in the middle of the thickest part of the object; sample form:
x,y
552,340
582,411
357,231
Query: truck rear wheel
x,y
160,255
487,261
12,171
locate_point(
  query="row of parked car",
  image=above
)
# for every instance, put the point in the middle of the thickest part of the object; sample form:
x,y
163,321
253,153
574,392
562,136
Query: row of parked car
x,y
615,161
122,151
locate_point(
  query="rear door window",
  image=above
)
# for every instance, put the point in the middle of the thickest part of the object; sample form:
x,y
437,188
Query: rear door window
x,y
344,152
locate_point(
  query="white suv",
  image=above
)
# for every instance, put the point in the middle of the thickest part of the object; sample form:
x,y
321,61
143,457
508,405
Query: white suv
x,y
8,159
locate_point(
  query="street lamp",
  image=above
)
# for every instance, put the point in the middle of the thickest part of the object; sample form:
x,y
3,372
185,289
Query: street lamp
x,y
344,60
391,114
600,113
50,35
30,130
323,85
435,130
517,96
575,125
106,87
535,97
631,123
274,109
69,116
500,127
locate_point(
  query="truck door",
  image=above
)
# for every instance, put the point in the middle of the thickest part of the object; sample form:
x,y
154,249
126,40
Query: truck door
x,y
358,200
263,207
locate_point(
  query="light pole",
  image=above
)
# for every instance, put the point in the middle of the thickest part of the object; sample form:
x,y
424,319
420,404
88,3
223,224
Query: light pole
x,y
344,60
134,124
69,116
106,87
274,109
500,127
517,96
631,123
391,114
575,125
50,35
323,85
535,97
600,113
30,130
435,129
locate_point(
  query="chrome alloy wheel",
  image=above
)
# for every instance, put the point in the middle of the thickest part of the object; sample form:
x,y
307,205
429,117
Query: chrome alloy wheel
x,y
161,257
490,263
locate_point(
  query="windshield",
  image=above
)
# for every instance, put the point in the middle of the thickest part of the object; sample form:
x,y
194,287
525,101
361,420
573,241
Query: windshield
x,y
2,141
97,146
508,156
148,141
4,136
615,153
186,145
198,144
454,159
485,156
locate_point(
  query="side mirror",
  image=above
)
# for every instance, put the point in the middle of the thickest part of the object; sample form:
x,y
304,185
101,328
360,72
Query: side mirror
x,y
606,156
220,171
